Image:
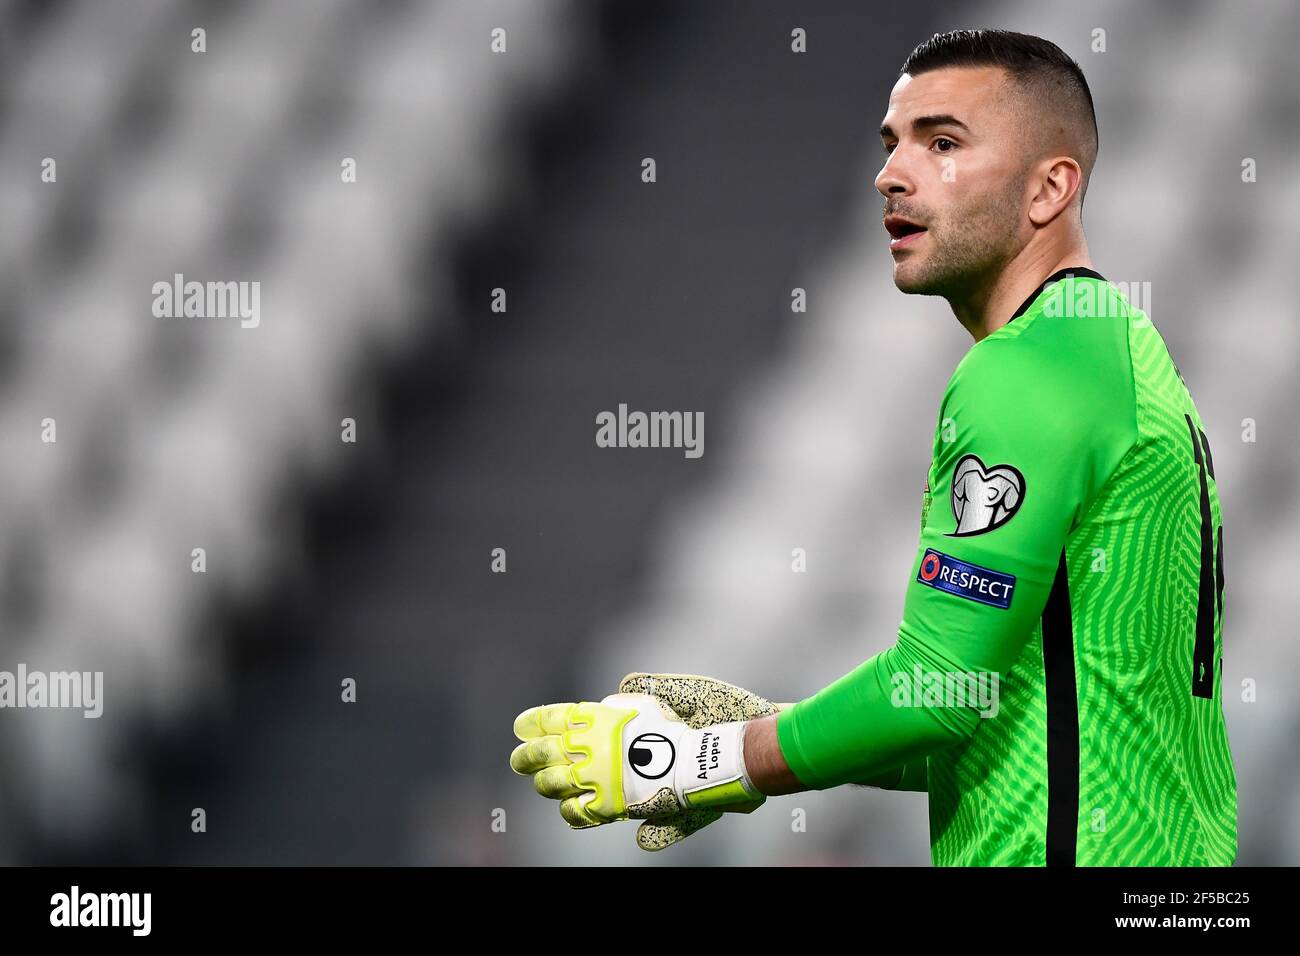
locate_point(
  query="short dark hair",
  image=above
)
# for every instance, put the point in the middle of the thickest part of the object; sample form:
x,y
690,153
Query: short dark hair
x,y
1034,63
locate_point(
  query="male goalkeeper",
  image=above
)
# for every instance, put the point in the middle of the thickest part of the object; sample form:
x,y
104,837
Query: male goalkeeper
x,y
1070,557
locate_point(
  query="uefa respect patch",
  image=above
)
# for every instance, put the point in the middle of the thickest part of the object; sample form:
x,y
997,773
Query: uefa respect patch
x,y
943,571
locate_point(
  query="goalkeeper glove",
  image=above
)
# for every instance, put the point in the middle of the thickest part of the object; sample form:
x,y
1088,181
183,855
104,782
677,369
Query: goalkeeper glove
x,y
699,701
631,757
666,749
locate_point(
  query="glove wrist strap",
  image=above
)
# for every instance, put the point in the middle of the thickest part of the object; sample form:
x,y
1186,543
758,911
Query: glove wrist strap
x,y
711,770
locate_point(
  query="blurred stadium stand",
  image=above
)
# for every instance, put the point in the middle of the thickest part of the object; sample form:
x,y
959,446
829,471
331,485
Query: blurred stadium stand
x,y
476,429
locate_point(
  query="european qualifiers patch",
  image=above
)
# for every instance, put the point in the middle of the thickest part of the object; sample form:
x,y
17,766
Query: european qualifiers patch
x,y
970,581
984,498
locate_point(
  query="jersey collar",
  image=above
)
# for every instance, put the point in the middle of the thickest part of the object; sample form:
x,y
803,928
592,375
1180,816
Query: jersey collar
x,y
1075,271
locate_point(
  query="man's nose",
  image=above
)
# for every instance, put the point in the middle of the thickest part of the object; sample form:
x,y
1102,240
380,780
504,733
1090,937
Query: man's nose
x,y
892,180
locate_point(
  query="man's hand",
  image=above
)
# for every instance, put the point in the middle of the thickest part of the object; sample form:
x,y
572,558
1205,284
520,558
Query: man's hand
x,y
699,701
631,757
667,749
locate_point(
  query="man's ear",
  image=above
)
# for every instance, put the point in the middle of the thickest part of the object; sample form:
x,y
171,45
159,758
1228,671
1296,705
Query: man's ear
x,y
1060,180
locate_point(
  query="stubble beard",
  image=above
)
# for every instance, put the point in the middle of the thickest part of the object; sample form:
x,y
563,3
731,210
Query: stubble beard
x,y
967,247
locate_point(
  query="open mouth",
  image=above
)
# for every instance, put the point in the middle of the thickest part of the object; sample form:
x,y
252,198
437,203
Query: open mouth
x,y
902,232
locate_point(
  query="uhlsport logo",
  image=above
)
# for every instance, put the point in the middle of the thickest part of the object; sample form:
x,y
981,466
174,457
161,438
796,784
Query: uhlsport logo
x,y
963,579
984,498
651,756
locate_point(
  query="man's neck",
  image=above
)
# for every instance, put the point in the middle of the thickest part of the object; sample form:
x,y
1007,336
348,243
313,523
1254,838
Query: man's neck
x,y
989,308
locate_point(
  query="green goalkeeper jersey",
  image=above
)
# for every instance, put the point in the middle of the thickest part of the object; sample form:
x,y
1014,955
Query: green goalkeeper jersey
x,y
1056,684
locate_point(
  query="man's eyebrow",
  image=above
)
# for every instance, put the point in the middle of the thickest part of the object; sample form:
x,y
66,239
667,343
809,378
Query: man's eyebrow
x,y
927,122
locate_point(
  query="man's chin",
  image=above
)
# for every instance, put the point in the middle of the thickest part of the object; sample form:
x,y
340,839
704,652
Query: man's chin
x,y
911,278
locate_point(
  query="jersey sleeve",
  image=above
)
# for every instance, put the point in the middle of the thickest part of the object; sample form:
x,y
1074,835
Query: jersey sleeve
x,y
913,776
1024,441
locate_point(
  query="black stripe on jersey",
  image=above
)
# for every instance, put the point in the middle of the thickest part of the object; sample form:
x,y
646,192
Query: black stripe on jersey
x,y
1203,652
1218,567
1062,723
1078,272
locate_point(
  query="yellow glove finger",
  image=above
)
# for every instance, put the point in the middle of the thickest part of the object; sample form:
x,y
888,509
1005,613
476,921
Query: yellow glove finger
x,y
557,783
543,721
575,815
538,754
